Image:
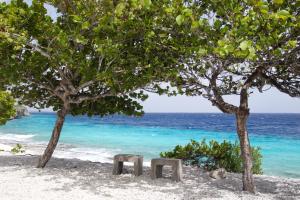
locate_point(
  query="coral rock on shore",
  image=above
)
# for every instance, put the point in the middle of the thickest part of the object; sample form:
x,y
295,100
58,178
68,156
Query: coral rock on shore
x,y
21,111
218,173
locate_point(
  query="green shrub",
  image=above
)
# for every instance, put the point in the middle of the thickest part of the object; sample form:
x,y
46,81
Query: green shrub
x,y
18,149
213,155
7,109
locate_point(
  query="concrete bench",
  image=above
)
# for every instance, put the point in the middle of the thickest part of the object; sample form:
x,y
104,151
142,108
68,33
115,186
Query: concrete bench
x,y
136,159
157,166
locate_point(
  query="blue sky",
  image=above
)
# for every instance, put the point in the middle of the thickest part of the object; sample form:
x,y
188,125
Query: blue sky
x,y
271,101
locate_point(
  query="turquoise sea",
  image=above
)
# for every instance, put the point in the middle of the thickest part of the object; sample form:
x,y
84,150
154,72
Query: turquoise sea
x,y
92,138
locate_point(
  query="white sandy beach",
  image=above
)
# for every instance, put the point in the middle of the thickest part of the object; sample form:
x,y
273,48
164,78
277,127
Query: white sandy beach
x,y
77,179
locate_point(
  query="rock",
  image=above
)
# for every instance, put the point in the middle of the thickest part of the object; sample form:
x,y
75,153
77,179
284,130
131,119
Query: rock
x,y
21,111
218,173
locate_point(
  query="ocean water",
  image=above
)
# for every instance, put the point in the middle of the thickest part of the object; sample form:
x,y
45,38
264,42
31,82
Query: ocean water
x,y
97,139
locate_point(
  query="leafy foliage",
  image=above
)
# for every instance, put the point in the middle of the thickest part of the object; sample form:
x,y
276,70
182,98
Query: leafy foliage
x,y
213,155
242,44
7,109
17,149
92,59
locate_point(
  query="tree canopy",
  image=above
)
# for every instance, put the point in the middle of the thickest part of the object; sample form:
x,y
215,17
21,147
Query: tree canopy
x,y
95,55
241,39
92,59
240,46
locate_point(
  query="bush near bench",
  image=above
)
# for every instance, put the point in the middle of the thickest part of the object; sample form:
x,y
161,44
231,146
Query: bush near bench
x,y
212,155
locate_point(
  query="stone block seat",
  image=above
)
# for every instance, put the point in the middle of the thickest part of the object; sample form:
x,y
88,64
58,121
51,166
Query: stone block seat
x,y
121,158
157,166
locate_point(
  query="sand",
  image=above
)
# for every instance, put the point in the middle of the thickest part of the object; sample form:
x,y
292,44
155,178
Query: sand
x,y
77,179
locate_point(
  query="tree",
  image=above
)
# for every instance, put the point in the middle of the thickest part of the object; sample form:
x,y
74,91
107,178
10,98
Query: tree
x,y
6,107
240,47
92,59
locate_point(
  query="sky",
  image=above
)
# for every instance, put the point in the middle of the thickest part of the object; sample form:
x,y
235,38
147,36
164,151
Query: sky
x,y
271,101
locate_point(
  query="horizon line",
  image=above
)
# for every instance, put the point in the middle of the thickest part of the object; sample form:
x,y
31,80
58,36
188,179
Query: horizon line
x,y
188,112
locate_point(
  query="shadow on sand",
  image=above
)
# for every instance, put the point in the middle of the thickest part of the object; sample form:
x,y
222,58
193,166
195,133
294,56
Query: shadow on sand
x,y
196,184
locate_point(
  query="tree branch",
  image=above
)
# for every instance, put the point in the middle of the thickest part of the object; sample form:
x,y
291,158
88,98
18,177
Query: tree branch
x,y
38,49
285,88
82,98
217,98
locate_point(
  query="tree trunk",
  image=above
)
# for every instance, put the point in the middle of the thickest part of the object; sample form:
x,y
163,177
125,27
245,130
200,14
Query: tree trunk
x,y
241,117
54,138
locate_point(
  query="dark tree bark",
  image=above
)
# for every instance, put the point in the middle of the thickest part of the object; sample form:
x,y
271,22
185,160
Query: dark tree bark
x,y
54,138
248,183
241,121
242,114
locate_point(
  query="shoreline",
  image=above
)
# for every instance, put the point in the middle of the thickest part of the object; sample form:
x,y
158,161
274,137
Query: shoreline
x,y
77,179
68,176
71,151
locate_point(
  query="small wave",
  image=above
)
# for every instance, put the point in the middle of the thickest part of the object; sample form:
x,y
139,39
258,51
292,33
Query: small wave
x,y
15,137
90,154
102,155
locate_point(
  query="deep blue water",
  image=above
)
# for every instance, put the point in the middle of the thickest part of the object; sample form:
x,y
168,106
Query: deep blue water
x,y
277,134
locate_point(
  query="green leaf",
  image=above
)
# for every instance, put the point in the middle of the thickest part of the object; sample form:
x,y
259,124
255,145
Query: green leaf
x,y
120,8
221,43
195,24
134,3
187,12
228,48
151,34
81,40
246,44
85,25
169,10
201,22
76,18
202,52
292,43
283,14
252,53
179,19
217,24
264,9
278,2
146,3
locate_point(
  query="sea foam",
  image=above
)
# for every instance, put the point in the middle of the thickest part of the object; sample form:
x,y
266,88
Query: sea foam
x,y
91,154
16,137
